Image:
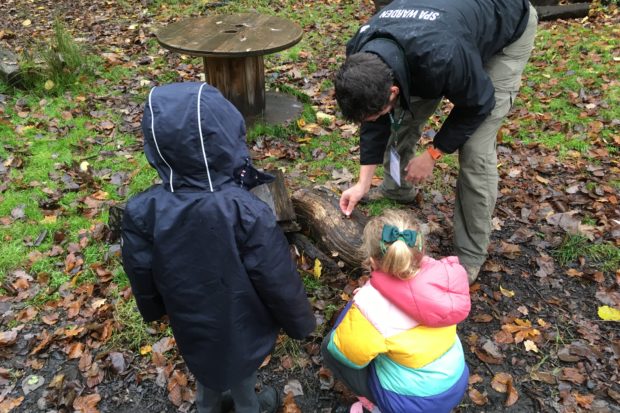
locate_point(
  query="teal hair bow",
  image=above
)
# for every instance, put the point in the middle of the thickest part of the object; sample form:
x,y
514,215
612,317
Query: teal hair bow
x,y
391,234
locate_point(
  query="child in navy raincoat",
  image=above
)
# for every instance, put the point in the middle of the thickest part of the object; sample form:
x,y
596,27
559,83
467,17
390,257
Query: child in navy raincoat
x,y
204,250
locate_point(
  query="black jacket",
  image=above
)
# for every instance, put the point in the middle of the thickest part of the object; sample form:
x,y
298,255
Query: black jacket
x,y
438,48
203,249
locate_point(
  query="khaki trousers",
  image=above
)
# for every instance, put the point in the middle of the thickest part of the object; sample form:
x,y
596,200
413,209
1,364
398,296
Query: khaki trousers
x,y
476,187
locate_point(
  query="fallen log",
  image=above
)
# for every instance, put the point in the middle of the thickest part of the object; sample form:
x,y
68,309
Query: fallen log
x,y
563,11
331,268
320,217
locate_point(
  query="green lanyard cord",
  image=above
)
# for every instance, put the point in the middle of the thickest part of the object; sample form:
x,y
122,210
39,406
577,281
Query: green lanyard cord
x,y
396,124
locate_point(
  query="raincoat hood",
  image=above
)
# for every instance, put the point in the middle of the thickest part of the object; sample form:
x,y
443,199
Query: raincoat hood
x,y
195,139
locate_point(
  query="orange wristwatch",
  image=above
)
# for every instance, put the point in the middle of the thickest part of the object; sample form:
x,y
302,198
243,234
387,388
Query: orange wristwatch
x,y
434,152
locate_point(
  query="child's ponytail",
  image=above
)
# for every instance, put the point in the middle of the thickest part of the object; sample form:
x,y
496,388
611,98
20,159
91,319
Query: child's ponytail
x,y
399,260
393,242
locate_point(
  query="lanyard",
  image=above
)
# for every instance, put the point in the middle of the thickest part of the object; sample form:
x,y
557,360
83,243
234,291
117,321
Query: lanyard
x,y
396,124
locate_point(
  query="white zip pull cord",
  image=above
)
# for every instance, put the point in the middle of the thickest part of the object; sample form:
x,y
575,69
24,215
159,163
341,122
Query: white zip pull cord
x,y
202,144
155,139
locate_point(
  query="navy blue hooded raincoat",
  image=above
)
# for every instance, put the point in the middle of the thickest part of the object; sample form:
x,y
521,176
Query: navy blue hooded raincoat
x,y
203,249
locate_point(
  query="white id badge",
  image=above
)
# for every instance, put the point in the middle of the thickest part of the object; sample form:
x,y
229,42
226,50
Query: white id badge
x,y
395,165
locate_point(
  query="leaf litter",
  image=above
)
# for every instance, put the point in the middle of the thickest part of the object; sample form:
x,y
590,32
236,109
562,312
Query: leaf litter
x,y
541,336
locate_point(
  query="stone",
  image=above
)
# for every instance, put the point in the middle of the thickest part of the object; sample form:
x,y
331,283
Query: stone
x,y
9,64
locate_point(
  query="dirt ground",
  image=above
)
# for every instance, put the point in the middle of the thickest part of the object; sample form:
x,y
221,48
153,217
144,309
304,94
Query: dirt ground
x,y
533,340
573,340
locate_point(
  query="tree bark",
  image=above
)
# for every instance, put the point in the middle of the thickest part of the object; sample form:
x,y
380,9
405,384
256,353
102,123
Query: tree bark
x,y
563,11
306,248
319,215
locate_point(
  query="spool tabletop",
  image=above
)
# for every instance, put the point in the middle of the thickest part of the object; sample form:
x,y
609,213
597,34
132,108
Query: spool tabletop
x,y
232,48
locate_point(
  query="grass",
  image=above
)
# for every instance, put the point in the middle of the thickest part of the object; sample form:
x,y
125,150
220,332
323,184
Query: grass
x,y
603,255
289,348
132,332
47,132
55,65
561,81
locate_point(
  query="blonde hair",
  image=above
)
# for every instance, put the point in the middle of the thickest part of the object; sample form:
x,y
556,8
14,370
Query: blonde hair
x,y
395,258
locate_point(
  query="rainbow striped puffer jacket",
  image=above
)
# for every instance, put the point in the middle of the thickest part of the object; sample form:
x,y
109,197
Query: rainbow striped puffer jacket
x,y
404,331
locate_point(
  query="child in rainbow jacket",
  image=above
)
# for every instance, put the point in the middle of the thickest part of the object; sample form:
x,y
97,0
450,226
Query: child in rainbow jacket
x,y
395,344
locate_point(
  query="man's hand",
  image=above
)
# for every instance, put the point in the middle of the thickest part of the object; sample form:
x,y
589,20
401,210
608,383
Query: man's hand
x,y
351,197
420,168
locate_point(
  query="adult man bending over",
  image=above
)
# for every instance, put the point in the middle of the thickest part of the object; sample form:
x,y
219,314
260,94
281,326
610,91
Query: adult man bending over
x,y
400,64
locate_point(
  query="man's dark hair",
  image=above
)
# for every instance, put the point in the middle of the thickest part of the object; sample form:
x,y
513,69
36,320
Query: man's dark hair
x,y
363,86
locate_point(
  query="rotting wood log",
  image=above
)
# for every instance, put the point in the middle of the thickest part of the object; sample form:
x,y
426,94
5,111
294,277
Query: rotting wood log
x,y
319,215
306,248
563,11
276,196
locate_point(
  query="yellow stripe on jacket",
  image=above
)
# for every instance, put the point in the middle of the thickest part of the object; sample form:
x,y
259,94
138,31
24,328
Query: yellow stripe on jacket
x,y
357,339
360,342
420,345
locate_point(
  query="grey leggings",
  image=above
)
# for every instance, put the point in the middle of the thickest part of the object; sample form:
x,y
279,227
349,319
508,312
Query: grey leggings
x,y
243,394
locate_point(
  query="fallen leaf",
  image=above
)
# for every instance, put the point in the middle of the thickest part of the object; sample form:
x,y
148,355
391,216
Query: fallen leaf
x,y
8,338
117,361
163,345
85,362
294,387
326,379
325,117
482,318
75,350
318,267
286,361
503,337
608,313
176,383
513,396
489,353
57,382
475,378
45,341
543,376
509,250
522,329
530,346
477,398
572,272
505,292
9,404
27,314
86,404
265,361
499,382
584,400
289,404
503,383
572,374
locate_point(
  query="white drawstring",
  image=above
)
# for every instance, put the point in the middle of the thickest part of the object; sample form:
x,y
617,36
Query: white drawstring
x,y
155,139
202,144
